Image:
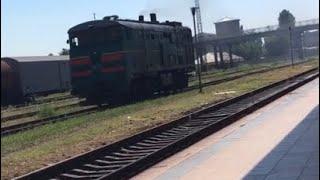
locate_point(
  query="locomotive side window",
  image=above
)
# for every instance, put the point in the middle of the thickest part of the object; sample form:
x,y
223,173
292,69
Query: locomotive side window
x,y
161,54
160,36
140,35
84,39
171,38
166,35
75,41
114,33
129,34
180,59
148,36
99,37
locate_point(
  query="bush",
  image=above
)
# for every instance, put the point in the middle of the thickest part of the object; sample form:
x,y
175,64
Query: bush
x,y
46,111
277,45
250,50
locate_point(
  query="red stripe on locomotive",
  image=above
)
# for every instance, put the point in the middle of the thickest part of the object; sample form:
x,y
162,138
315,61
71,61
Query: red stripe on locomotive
x,y
113,69
81,74
112,57
80,61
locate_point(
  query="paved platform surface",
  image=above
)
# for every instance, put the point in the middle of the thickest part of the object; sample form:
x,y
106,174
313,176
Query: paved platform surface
x,y
279,141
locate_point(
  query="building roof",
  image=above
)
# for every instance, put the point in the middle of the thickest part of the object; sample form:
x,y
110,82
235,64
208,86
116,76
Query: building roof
x,y
227,19
37,58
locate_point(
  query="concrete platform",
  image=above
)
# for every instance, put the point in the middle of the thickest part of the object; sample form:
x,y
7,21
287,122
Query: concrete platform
x,y
279,141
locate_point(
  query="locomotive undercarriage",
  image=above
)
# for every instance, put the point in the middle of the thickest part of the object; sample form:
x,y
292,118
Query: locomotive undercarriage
x,y
142,88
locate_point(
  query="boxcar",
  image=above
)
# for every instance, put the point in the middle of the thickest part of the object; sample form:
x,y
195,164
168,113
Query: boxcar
x,y
24,77
112,59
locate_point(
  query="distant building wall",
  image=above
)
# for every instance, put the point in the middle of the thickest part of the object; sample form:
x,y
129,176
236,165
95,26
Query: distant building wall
x,y
311,39
228,28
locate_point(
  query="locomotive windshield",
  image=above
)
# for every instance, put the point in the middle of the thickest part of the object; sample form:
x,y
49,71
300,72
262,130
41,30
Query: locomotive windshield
x,y
95,37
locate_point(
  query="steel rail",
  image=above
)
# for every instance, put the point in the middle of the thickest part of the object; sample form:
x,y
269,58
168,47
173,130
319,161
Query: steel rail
x,y
127,157
34,112
40,101
8,130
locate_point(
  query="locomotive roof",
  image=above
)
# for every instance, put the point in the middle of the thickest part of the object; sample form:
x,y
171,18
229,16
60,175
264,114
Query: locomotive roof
x,y
126,23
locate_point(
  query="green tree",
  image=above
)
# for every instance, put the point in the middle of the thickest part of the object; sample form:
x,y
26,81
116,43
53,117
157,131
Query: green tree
x,y
64,51
276,45
286,19
250,50
279,45
50,54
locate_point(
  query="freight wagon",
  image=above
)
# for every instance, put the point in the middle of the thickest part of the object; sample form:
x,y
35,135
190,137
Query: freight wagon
x,y
24,77
113,59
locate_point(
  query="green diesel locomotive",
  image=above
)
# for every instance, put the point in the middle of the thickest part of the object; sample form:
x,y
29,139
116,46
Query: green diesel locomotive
x,y
113,59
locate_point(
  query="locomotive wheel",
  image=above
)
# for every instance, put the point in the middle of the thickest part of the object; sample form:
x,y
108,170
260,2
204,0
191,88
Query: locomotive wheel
x,y
150,86
181,81
118,100
92,100
136,91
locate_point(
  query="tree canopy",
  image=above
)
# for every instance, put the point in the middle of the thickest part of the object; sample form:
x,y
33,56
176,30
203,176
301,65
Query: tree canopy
x,y
64,51
250,50
286,19
279,45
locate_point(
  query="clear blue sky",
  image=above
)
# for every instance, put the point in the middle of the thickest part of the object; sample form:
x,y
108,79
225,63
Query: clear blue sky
x,y
39,27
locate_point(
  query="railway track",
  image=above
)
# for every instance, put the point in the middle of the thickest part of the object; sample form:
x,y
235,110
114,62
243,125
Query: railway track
x,y
218,81
243,75
208,75
8,130
37,102
125,158
34,112
69,96
44,100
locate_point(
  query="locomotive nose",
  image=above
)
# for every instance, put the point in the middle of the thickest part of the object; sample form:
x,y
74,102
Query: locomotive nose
x,y
95,59
96,68
79,67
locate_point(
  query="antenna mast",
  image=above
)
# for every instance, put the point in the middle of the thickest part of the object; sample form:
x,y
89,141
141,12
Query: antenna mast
x,y
203,56
198,16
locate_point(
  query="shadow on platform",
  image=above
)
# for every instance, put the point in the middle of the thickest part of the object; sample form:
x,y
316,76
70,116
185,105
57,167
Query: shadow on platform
x,y
295,157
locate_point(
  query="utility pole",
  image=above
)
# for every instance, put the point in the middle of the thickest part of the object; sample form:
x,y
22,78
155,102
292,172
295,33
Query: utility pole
x,y
193,11
200,31
291,48
94,16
